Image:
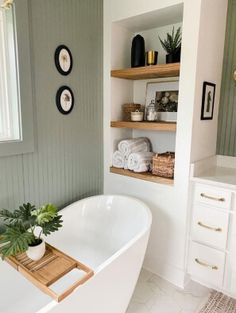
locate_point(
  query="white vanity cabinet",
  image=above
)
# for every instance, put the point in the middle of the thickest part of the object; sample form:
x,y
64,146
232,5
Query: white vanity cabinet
x,y
212,245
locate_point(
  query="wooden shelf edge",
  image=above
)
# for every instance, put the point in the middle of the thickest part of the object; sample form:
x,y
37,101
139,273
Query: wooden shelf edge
x,y
147,72
144,176
157,126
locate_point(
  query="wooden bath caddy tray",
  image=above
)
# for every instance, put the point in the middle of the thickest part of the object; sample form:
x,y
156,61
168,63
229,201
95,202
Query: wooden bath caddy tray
x,y
45,272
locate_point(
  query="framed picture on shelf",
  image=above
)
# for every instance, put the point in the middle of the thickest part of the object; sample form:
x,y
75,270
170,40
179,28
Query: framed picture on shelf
x,y
162,97
208,99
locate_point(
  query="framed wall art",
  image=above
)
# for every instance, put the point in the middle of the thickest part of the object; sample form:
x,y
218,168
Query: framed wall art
x,y
63,60
65,100
208,100
165,97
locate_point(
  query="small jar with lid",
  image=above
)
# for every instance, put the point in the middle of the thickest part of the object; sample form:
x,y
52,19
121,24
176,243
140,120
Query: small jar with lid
x,y
151,112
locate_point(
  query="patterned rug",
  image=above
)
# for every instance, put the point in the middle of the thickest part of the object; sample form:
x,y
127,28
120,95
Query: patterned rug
x,y
219,303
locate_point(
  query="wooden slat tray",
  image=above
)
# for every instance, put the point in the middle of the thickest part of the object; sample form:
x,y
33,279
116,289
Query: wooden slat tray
x,y
53,266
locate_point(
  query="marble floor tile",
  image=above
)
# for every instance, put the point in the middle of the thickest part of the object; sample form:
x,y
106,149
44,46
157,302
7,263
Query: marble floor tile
x,y
155,295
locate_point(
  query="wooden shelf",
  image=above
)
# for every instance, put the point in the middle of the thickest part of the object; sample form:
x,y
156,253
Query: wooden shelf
x,y
147,72
157,126
144,176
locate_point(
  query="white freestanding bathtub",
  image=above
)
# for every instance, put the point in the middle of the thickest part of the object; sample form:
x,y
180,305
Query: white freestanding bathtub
x,y
109,234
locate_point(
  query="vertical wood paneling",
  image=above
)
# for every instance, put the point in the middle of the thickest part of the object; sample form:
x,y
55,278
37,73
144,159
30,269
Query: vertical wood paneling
x,y
226,143
67,162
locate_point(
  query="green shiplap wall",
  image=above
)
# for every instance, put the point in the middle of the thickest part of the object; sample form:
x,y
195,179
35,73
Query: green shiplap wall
x,y
67,162
226,143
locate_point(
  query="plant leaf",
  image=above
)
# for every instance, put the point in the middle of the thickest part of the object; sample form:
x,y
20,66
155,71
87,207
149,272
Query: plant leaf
x,y
21,216
8,216
172,42
52,225
15,240
45,214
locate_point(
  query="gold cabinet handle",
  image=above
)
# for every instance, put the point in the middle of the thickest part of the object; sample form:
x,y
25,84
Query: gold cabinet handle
x,y
213,267
203,195
218,229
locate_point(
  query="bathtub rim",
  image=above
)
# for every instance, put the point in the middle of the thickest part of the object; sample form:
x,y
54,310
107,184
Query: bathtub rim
x,y
146,229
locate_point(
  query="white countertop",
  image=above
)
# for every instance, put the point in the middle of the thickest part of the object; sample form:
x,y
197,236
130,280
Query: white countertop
x,y
218,170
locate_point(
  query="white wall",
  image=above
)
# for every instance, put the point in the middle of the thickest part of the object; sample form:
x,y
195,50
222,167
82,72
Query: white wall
x,y
169,204
209,68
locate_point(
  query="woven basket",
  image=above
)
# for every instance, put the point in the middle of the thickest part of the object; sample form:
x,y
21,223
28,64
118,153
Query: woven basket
x,y
164,164
127,108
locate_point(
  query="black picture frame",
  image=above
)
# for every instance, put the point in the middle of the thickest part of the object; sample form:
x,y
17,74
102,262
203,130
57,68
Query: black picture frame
x,y
58,100
208,100
57,60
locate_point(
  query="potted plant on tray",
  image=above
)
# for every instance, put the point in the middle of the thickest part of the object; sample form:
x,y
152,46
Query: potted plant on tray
x,y
24,227
172,45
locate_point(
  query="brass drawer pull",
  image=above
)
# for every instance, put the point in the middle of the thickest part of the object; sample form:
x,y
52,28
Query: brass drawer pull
x,y
209,227
213,267
203,195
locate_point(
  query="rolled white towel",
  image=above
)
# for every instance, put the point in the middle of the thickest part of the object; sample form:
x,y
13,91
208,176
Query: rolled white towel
x,y
128,146
140,161
118,159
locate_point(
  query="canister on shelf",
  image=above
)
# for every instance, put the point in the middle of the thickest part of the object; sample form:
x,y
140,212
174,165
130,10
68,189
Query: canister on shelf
x,y
151,112
136,116
127,108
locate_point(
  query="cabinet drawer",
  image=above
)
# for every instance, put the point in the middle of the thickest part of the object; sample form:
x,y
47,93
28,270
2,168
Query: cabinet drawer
x,y
212,196
210,226
206,264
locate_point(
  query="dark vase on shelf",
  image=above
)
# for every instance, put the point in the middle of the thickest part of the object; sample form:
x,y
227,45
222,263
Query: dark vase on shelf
x,y
173,57
138,51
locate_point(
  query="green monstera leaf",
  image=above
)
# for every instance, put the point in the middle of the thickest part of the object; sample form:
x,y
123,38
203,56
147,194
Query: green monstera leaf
x,y
15,240
45,214
52,226
21,216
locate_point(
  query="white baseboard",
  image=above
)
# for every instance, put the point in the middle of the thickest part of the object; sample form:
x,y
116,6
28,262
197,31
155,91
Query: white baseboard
x,y
169,272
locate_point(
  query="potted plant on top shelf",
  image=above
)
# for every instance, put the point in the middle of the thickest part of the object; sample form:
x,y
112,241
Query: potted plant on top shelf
x,y
24,227
172,45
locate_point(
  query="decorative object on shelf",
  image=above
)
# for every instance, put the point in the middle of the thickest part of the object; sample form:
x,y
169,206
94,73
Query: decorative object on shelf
x,y
65,100
137,116
208,99
24,227
172,45
151,57
151,112
163,97
63,60
127,108
138,51
163,164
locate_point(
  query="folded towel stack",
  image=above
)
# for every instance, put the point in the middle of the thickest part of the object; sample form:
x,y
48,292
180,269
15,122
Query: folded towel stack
x,y
133,146
118,159
140,161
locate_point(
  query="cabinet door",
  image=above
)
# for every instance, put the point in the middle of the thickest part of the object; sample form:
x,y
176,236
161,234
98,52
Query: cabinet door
x,y
210,226
213,196
206,265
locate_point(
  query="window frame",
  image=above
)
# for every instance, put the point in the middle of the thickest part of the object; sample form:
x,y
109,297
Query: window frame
x,y
26,144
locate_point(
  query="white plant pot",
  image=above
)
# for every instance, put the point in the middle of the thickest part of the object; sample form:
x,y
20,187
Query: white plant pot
x,y
37,252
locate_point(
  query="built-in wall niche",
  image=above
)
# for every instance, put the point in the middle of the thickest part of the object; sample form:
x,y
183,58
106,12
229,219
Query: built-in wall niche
x,y
129,84
149,25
